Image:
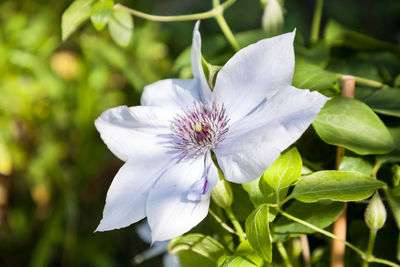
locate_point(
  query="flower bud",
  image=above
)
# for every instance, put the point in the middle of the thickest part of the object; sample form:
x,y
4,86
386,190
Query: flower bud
x,y
272,20
222,194
375,214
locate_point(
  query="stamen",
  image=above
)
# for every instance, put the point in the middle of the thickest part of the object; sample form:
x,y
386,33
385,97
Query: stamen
x,y
199,129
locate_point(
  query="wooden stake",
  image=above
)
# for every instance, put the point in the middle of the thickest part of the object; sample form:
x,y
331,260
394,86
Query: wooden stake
x,y
339,227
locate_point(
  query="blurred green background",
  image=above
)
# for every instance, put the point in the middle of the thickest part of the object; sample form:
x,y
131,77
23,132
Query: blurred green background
x,y
54,168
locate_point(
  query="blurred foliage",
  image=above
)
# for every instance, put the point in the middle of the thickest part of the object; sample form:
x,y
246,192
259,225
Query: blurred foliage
x,y
54,168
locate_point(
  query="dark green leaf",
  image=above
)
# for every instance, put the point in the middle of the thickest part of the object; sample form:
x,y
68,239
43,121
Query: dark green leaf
x,y
201,244
336,35
352,124
313,77
101,12
74,16
245,250
321,214
394,155
120,27
335,185
385,101
258,234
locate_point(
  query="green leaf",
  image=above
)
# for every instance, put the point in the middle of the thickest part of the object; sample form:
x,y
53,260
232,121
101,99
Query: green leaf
x,y
285,170
385,101
245,250
321,214
352,124
335,185
189,258
337,35
100,13
120,27
258,234
317,54
394,155
254,191
236,261
74,16
201,244
313,77
356,164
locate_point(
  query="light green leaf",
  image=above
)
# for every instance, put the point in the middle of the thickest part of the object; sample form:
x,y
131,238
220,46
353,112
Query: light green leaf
x,y
236,261
120,27
254,191
321,214
258,234
74,16
285,170
356,164
101,12
201,244
188,258
335,185
245,250
352,124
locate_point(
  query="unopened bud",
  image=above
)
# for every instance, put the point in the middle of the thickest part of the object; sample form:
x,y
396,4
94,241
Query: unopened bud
x,y
375,214
272,20
222,194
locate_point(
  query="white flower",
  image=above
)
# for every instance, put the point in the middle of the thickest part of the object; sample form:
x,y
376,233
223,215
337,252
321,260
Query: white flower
x,y
250,117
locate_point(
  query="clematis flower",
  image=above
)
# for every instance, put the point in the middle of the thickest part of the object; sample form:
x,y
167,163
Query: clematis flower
x,y
249,117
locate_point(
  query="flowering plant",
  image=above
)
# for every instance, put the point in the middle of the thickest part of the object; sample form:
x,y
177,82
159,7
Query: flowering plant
x,y
251,115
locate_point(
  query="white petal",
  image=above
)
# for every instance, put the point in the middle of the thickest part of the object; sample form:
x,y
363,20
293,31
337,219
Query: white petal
x,y
173,94
171,208
254,73
128,130
127,195
256,141
197,67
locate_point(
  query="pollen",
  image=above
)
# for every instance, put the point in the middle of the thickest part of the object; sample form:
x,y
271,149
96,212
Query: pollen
x,y
199,129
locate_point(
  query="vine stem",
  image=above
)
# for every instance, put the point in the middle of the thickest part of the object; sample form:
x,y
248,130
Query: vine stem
x,y
216,12
328,234
322,231
224,225
365,81
223,25
370,248
202,15
236,224
284,255
316,21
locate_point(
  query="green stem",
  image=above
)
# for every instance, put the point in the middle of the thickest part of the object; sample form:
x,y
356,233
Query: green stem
x,y
224,26
284,255
202,15
223,225
370,248
322,231
365,81
316,21
383,261
236,224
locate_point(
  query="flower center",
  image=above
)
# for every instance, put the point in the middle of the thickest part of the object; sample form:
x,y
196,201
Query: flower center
x,y
199,129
